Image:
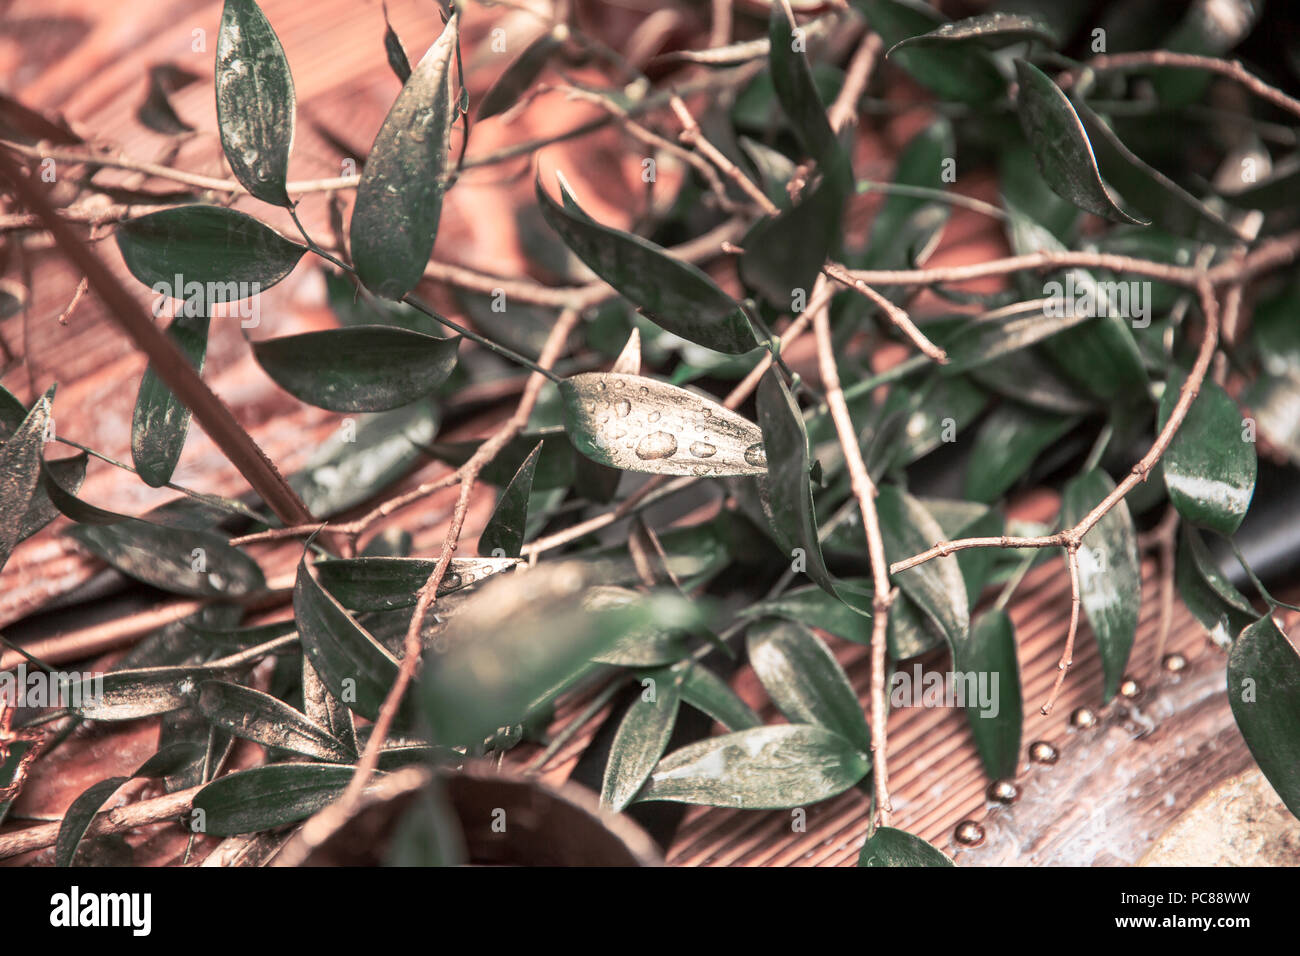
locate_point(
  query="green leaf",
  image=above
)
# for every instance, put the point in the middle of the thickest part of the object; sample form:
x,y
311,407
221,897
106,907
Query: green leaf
x,y
805,681
795,91
707,692
555,467
890,847
20,473
69,473
220,255
364,457
1061,145
1264,691
813,606
262,718
265,797
937,586
356,668
1005,331
1010,439
399,198
673,294
139,692
1210,466
987,30
521,640
77,818
642,736
788,486
255,101
642,424
519,75
397,60
379,583
179,560
1211,597
161,421
991,650
965,72
907,228
362,368
504,530
1110,577
762,768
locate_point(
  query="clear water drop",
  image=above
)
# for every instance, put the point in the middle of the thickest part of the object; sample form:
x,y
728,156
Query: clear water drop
x,y
756,455
624,408
656,445
702,449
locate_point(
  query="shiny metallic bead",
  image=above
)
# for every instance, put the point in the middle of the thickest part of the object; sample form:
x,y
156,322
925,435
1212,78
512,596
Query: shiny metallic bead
x,y
1040,751
1083,718
969,833
1130,689
1174,663
1003,791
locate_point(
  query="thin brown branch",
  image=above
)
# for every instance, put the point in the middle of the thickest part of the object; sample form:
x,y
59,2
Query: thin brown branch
x,y
898,316
1067,656
691,135
845,108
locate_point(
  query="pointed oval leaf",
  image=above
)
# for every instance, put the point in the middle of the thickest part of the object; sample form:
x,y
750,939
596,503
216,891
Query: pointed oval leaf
x,y
161,422
795,91
642,736
811,605
762,768
69,473
362,368
519,75
707,692
1009,441
937,586
180,560
397,60
641,424
355,667
1110,578
965,72
262,718
805,681
378,583
1264,691
1061,147
988,30
140,692
991,651
265,797
1210,465
399,198
673,294
77,818
255,101
504,530
220,255
21,458
890,847
1213,600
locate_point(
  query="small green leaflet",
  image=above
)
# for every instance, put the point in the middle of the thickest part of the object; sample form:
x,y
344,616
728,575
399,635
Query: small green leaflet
x,y
520,74
1221,608
990,651
1210,464
805,681
361,368
397,60
795,90
161,421
21,457
762,768
399,198
673,294
707,692
813,606
1264,692
205,255
504,530
1110,577
987,30
641,739
1010,439
262,718
936,586
253,800
1061,147
641,424
255,101
890,847
180,560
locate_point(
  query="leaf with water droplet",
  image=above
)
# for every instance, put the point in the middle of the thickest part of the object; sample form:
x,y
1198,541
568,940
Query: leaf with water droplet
x,y
255,101
161,421
1110,577
761,768
1264,692
140,692
1061,147
890,847
1210,465
399,198
641,424
675,295
362,368
221,255
804,679
641,739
